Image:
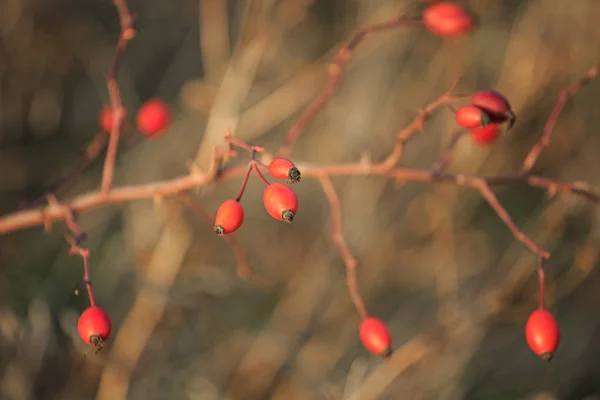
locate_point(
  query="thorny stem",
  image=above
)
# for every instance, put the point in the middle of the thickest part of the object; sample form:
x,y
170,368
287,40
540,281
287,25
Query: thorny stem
x,y
542,278
337,237
127,33
334,72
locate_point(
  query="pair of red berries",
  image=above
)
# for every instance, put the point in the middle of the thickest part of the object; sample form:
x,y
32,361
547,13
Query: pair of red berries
x,y
447,19
94,327
488,109
152,118
279,200
542,333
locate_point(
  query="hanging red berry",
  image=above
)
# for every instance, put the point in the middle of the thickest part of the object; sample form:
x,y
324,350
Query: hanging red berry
x,y
229,218
485,134
153,117
472,117
375,336
280,202
105,119
447,19
542,333
282,168
495,104
94,327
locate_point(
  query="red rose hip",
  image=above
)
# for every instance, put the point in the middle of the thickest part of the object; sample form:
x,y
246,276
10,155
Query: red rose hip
x,y
472,117
282,168
542,334
94,327
229,218
447,19
153,117
495,104
485,134
375,336
280,202
105,119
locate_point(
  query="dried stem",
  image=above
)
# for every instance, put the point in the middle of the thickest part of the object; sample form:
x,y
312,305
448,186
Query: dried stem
x,y
334,72
564,95
337,237
76,249
127,33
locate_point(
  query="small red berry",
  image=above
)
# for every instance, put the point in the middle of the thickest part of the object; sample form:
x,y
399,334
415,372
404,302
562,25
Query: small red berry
x,y
542,333
105,119
375,336
495,104
229,218
447,19
280,202
472,117
282,168
153,117
485,134
94,327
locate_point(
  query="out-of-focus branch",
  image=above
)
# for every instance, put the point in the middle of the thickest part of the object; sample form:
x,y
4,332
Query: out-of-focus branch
x,y
334,72
338,239
127,33
564,95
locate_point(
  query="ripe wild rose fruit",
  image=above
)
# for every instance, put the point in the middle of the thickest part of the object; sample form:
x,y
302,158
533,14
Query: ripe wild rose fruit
x,y
375,336
280,202
494,104
229,218
282,168
472,117
94,327
447,19
153,117
485,134
542,334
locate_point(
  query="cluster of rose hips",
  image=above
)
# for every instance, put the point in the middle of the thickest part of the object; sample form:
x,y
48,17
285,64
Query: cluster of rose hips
x,y
279,200
484,115
152,118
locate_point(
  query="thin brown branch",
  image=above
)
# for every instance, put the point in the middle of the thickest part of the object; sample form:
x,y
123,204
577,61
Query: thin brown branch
x,y
127,33
76,249
563,97
334,72
91,200
417,124
338,239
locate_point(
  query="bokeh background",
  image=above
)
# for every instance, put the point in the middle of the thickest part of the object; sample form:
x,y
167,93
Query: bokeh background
x,y
434,261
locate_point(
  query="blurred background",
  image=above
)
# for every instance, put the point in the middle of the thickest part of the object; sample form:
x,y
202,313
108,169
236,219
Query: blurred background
x,y
435,262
